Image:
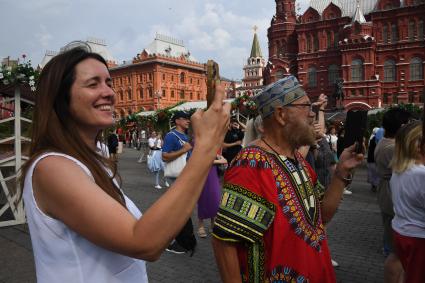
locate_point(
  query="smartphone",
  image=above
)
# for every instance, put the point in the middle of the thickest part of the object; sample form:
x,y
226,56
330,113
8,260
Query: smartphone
x,y
355,129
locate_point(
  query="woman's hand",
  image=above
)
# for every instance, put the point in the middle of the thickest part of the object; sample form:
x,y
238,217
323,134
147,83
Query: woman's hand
x,y
210,126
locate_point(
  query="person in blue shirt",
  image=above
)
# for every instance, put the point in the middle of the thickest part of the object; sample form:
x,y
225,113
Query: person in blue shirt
x,y
173,147
176,143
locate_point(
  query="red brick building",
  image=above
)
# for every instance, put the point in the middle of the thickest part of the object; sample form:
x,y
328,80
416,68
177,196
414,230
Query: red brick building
x,y
163,74
376,47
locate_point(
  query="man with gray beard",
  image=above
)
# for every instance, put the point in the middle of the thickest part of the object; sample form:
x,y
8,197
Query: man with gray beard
x,y
269,226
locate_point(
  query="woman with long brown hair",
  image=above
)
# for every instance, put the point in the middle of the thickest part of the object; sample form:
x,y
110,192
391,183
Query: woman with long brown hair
x,y
83,227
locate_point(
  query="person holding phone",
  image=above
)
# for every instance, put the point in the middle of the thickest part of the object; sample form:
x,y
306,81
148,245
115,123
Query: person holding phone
x,y
270,223
83,227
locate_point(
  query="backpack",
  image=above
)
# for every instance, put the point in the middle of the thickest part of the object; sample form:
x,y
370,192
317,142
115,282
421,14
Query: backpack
x,y
186,237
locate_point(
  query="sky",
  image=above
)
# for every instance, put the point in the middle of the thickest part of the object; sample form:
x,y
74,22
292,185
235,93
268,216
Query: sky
x,y
221,30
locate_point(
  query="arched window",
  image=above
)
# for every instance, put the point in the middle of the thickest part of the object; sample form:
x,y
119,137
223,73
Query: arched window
x,y
315,42
150,92
416,69
412,30
312,77
385,34
389,71
279,75
182,77
328,39
308,43
336,39
333,74
421,30
394,33
357,70
141,93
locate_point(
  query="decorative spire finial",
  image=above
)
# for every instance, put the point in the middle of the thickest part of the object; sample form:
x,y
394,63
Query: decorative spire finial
x,y
255,28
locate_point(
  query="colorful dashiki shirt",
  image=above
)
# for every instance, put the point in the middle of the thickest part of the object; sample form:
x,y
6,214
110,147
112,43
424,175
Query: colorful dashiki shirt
x,y
270,209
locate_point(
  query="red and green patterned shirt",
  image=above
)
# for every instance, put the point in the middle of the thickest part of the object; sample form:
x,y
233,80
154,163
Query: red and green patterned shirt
x,y
270,208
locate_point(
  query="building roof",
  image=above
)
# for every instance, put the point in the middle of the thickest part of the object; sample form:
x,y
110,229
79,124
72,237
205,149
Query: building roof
x,y
255,49
169,46
358,15
348,7
96,45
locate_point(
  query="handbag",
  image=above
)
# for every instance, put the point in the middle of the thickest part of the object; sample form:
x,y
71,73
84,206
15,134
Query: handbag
x,y
174,168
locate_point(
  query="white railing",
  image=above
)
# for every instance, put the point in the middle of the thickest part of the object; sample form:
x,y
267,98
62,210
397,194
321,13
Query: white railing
x,y
11,160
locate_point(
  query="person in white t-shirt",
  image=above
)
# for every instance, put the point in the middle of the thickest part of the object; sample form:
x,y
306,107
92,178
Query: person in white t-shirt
x,y
155,163
408,195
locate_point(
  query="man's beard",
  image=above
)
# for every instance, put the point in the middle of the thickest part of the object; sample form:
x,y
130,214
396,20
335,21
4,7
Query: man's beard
x,y
299,133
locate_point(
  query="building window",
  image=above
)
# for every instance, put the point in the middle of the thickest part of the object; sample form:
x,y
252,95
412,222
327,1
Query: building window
x,y
172,94
328,39
199,96
121,96
316,42
150,92
411,98
191,95
412,30
357,70
163,93
395,98
182,94
333,74
336,39
385,98
191,81
182,77
416,70
279,75
129,94
385,34
394,33
353,92
163,77
309,40
149,76
312,77
361,92
389,71
199,82
141,93
421,30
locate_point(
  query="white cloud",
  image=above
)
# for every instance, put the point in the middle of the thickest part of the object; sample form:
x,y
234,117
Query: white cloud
x,y
211,29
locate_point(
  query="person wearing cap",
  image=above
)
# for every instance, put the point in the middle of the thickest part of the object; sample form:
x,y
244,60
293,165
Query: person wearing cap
x,y
176,143
270,223
233,140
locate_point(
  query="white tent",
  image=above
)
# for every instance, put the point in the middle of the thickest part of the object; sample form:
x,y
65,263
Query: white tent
x,y
184,107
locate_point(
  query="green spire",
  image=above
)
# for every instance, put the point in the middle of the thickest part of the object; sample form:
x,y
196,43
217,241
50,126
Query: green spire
x,y
255,49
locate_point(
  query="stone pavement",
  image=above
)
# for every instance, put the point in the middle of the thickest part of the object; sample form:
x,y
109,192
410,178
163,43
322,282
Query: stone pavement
x,y
354,237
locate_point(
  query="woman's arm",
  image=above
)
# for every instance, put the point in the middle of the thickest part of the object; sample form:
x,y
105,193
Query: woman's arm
x,y
70,196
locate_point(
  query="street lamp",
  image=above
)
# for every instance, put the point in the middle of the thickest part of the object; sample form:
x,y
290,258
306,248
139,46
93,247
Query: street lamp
x,y
157,95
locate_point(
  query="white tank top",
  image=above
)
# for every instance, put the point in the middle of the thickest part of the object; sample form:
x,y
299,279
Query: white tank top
x,y
62,255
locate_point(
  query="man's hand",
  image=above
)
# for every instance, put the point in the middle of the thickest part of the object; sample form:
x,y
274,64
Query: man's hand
x,y
349,159
186,147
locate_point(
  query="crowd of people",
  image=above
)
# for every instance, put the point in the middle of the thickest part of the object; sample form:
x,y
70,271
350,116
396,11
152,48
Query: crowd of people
x,y
285,176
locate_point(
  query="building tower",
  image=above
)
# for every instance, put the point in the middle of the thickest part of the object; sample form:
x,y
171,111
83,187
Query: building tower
x,y
253,70
283,45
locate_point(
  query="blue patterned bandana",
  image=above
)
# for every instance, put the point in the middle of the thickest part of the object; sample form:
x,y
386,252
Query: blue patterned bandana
x,y
280,93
